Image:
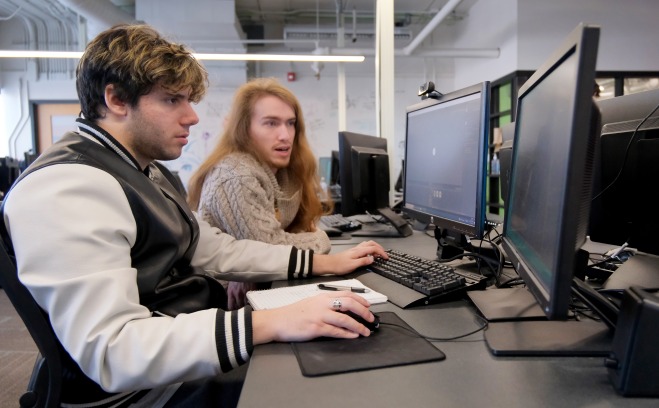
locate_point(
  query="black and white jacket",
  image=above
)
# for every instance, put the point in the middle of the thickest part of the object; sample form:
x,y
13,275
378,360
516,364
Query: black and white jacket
x,y
127,272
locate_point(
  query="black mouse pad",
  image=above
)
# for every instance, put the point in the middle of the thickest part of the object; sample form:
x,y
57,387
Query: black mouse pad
x,y
389,346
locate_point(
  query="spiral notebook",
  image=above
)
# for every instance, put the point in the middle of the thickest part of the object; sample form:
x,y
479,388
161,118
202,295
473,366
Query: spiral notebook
x,y
273,298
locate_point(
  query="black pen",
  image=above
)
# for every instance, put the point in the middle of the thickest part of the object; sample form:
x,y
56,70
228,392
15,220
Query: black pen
x,y
323,286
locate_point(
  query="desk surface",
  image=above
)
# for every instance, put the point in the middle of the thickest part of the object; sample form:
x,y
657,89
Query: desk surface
x,y
469,377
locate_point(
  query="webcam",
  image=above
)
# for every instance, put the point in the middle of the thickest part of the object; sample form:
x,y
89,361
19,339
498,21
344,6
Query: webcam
x,y
427,90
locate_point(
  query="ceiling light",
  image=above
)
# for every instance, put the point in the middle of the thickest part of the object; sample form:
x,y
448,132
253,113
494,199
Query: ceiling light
x,y
281,57
40,54
209,57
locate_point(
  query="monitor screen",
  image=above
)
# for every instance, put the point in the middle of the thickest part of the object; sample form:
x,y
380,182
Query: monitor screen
x,y
363,173
546,216
446,160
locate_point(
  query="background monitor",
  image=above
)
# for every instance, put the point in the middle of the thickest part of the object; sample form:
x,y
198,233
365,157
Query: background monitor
x,y
334,177
363,173
446,161
626,189
9,172
506,156
551,176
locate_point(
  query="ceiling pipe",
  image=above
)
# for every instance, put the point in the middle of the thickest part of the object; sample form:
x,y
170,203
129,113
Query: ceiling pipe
x,y
437,53
100,14
439,17
51,34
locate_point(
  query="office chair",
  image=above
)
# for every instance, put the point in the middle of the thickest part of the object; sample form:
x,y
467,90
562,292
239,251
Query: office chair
x,y
45,384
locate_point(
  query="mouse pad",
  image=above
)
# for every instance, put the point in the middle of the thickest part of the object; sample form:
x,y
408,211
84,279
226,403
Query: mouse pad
x,y
389,346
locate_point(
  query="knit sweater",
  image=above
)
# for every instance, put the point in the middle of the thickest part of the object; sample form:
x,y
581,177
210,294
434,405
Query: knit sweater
x,y
245,199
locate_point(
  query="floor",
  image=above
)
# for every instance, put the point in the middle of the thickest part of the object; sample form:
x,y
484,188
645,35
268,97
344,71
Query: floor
x,y
17,354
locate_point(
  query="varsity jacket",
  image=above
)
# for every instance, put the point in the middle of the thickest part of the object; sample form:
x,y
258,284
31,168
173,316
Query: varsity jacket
x,y
126,272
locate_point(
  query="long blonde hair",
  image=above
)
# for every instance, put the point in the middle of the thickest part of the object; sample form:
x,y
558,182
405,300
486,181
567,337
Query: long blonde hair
x,y
302,168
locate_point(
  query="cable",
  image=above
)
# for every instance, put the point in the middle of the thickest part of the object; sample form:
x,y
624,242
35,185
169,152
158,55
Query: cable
x,y
514,281
12,14
487,260
482,327
499,252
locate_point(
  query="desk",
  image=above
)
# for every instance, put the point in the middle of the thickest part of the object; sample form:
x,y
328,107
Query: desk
x,y
469,377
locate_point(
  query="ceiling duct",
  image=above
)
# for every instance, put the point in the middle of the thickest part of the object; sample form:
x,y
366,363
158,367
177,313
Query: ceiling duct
x,y
328,34
100,14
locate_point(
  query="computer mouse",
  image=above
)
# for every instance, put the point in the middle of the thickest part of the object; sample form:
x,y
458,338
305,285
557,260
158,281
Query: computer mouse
x,y
372,326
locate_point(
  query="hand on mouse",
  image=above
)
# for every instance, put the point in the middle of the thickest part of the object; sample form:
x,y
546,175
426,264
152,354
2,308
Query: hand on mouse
x,y
313,317
371,325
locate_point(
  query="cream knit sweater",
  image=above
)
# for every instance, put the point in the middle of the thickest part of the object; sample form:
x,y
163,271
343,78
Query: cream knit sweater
x,y
243,198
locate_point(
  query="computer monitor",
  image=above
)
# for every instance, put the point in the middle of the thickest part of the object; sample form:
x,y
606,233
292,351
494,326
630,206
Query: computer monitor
x,y
505,157
446,148
9,172
551,176
556,131
626,188
335,179
363,173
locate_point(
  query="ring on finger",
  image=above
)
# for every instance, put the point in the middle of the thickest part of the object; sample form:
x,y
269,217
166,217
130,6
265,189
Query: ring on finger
x,y
336,304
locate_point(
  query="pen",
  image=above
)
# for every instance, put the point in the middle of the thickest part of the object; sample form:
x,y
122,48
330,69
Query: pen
x,y
324,286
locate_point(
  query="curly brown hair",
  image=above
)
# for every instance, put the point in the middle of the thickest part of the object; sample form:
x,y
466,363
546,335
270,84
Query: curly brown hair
x,y
134,58
303,167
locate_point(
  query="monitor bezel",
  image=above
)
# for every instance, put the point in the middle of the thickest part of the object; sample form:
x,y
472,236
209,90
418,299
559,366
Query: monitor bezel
x,y
554,300
472,231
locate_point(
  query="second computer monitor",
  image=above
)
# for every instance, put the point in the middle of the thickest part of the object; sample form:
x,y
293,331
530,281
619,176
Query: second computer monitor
x,y
363,173
446,160
551,176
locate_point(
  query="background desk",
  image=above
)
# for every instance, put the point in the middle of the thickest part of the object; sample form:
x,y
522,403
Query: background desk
x,y
469,377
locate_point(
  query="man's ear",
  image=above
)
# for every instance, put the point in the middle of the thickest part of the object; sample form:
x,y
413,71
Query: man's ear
x,y
113,102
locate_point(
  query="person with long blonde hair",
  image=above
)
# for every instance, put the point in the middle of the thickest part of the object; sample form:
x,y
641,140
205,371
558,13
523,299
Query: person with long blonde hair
x,y
261,181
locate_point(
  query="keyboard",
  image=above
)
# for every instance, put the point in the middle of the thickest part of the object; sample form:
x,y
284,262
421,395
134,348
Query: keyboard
x,y
340,222
431,279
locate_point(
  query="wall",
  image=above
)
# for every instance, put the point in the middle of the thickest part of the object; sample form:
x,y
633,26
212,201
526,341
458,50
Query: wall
x,y
628,37
318,98
525,32
490,24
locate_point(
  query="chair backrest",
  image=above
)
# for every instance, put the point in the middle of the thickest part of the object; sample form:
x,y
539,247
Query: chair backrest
x,y
46,383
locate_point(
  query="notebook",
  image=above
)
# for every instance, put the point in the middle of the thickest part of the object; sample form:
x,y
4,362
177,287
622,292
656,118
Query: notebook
x,y
273,298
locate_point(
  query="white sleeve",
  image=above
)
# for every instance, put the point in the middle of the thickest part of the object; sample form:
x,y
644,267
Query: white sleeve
x,y
72,230
246,260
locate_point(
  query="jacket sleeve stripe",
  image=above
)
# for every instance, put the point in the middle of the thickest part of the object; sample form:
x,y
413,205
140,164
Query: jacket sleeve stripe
x,y
233,344
300,263
292,263
239,330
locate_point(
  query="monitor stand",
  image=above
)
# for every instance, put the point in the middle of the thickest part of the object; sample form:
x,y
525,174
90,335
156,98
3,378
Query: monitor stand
x,y
585,337
505,304
549,338
376,229
396,226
